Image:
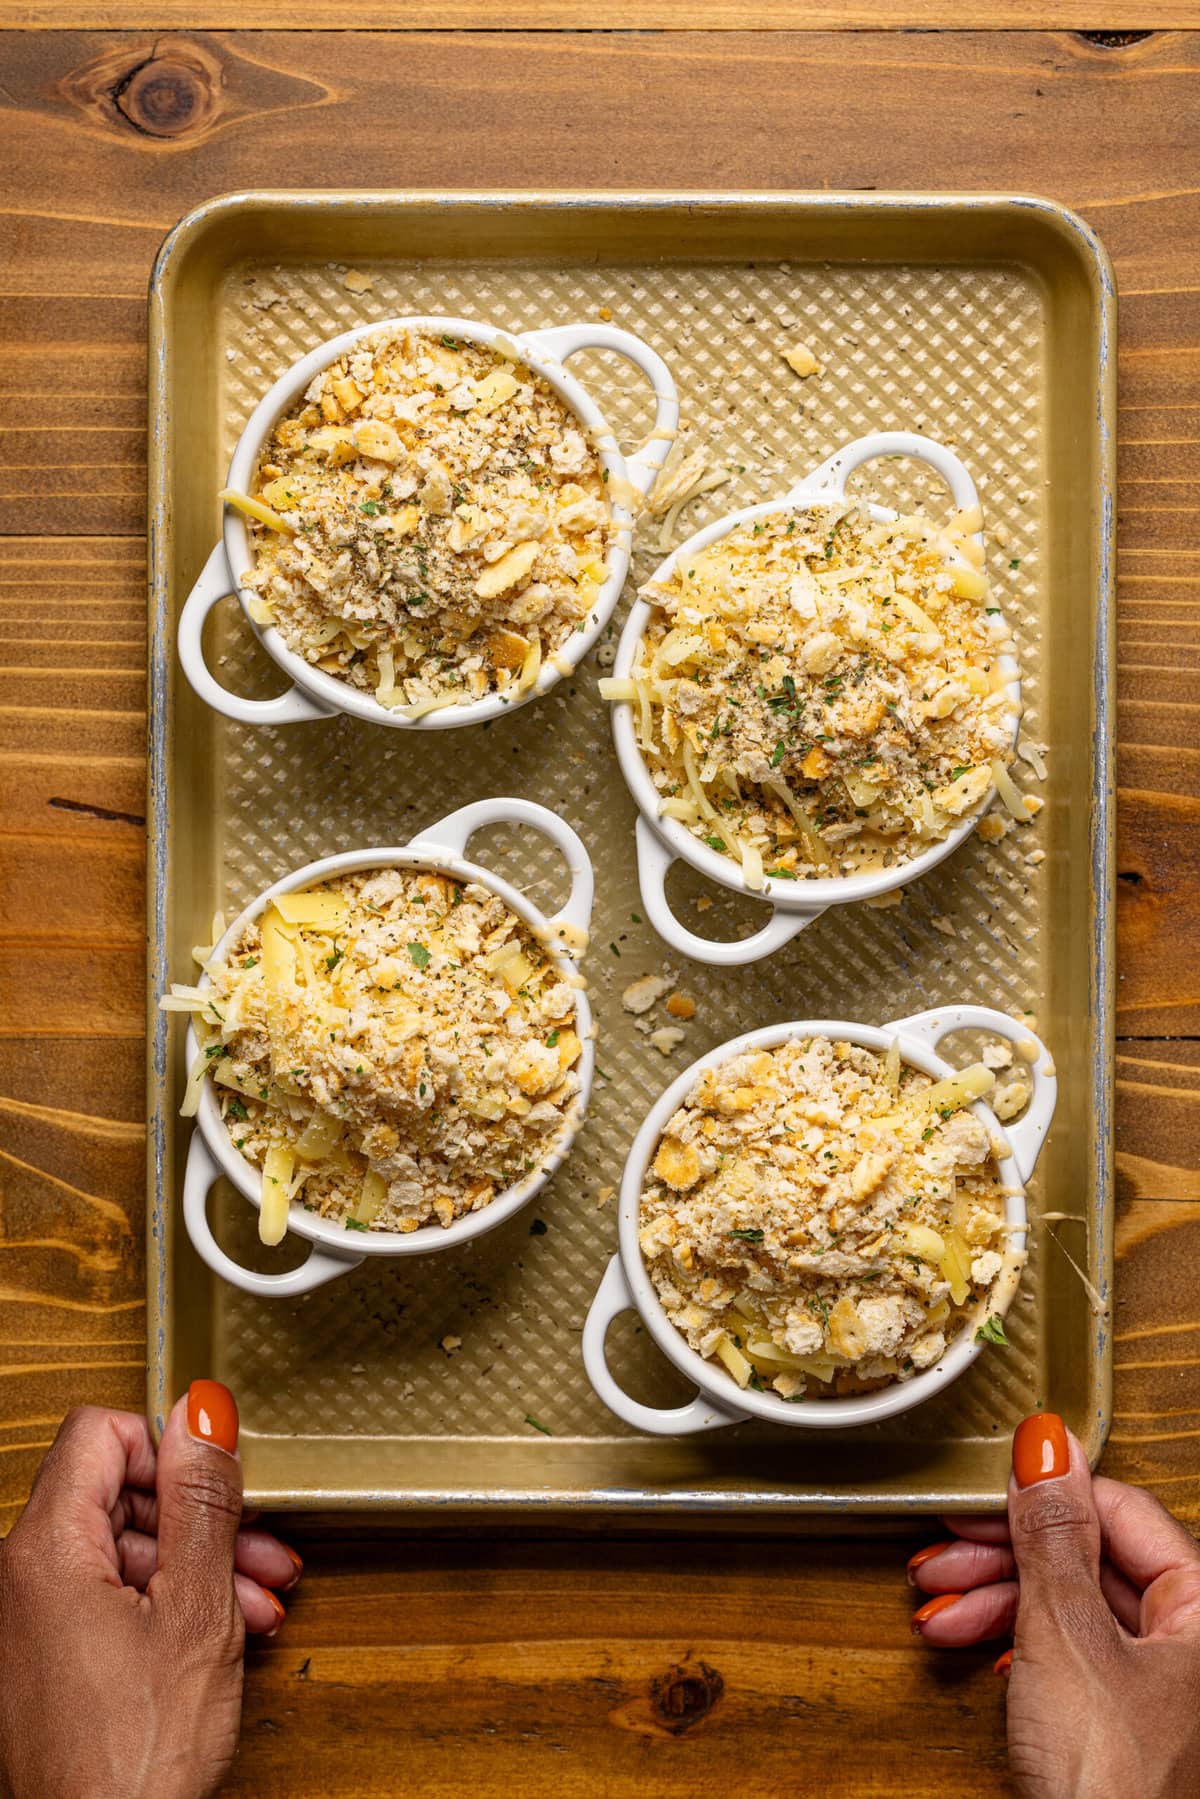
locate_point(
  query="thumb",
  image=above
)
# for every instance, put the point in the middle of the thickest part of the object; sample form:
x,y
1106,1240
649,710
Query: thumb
x,y
199,1499
1056,1542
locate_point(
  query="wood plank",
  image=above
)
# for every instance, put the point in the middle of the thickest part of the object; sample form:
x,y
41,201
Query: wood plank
x,y
618,15
511,1667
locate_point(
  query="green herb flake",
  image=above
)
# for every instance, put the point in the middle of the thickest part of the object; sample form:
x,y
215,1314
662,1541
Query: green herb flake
x,y
991,1331
752,1236
250,962
419,955
780,753
355,1224
715,843
451,343
538,1425
551,1040
236,1109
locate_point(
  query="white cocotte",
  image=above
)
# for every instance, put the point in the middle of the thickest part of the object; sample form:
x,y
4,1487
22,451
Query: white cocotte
x,y
662,841
315,694
627,1286
439,849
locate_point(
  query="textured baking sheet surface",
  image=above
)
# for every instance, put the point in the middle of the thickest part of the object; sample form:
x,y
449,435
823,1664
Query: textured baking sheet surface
x,y
481,1346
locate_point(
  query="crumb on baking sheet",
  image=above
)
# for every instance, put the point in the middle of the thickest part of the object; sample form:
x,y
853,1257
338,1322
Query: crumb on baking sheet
x,y
355,282
641,994
801,361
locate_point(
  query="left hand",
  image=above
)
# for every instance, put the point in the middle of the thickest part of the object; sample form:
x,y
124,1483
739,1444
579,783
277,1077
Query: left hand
x,y
126,1589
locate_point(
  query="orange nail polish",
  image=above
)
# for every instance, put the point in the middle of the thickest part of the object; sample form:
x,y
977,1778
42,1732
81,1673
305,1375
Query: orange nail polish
x,y
1004,1663
922,1556
280,1615
212,1414
296,1563
931,1608
1040,1449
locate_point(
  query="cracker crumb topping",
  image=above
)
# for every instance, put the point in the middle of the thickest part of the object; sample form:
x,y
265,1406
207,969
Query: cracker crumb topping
x,y
441,525
402,1038
824,1219
821,694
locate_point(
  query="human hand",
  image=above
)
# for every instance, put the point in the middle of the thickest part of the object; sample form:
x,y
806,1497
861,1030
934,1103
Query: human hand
x,y
126,1590
1101,1587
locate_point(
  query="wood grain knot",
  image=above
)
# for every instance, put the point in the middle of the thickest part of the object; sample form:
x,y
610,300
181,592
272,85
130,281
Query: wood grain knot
x,y
165,98
685,1695
166,90
1115,40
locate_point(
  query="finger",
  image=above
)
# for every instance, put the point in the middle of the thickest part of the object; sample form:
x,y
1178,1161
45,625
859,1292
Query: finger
x,y
261,1610
957,1567
978,1530
1124,1600
1139,1534
968,1618
1056,1542
94,1454
262,1558
1171,1605
199,1503
257,1552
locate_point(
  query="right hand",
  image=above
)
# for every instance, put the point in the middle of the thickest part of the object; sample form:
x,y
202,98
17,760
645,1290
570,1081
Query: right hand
x,y
126,1590
1101,1587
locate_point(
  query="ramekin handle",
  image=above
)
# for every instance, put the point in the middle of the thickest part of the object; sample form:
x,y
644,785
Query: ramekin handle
x,y
292,707
835,471
643,464
653,860
612,1298
571,923
202,1172
1026,1137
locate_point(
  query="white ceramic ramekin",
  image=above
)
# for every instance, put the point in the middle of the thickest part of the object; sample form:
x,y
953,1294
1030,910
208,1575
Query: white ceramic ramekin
x,y
626,1285
315,694
662,841
439,849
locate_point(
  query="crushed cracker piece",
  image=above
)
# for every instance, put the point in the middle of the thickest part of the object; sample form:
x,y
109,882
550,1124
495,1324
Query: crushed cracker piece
x,y
450,1344
668,1037
604,1195
355,282
604,312
801,361
641,994
941,923
882,902
681,1005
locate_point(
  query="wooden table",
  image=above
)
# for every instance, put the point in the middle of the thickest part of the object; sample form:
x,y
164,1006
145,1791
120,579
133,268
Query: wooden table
x,y
651,1668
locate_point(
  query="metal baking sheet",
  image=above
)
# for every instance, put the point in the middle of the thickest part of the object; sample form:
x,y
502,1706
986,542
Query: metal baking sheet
x,y
455,1382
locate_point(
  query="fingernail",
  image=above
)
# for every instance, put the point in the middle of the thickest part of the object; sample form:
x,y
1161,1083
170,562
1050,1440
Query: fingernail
x,y
922,1556
212,1415
931,1608
296,1563
1040,1449
1003,1663
280,1615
